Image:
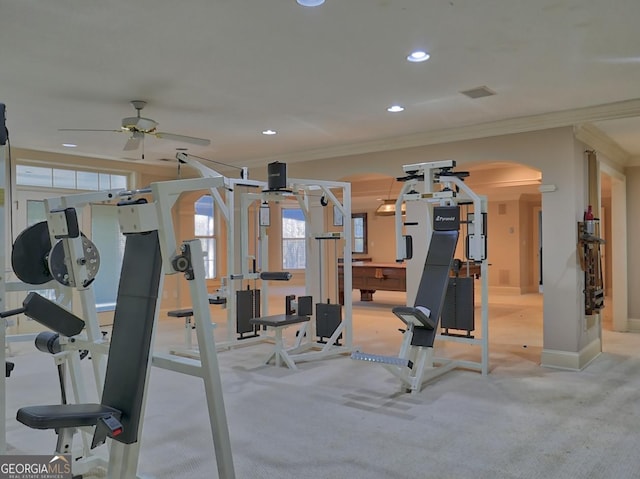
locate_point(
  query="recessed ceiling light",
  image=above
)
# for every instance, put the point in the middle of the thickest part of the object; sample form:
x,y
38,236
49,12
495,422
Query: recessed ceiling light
x,y
69,145
182,148
269,132
418,56
310,3
395,109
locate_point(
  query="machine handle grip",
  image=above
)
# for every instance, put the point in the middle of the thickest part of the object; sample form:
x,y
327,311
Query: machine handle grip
x,y
12,312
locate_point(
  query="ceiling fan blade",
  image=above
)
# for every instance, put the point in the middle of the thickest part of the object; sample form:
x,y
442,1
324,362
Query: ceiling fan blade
x,y
86,129
132,143
182,138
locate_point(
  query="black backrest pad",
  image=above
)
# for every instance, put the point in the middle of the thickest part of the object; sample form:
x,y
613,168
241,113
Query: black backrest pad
x,y
132,331
435,278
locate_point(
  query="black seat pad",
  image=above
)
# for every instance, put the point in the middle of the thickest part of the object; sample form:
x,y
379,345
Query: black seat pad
x,y
279,320
64,415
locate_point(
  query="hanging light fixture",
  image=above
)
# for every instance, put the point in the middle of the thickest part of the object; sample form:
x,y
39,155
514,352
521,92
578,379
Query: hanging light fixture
x,y
388,206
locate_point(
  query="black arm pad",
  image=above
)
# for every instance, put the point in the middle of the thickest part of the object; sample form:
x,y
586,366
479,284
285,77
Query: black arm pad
x,y
52,315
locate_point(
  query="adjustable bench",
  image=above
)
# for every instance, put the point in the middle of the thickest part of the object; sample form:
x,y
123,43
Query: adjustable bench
x,y
118,414
278,323
299,314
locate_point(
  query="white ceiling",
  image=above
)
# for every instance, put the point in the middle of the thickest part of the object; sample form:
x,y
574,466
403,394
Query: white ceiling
x,y
323,77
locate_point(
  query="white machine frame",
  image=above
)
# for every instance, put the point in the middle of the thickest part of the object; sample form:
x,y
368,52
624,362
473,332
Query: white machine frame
x,y
447,195
137,218
234,209
417,365
304,192
91,339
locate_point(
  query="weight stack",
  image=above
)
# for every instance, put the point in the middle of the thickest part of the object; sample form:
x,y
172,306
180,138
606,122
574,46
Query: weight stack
x,y
458,309
247,307
276,176
328,318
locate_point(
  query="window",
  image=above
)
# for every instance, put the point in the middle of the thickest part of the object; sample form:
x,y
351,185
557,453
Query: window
x,y
204,230
293,239
87,180
105,234
64,179
35,212
359,222
27,175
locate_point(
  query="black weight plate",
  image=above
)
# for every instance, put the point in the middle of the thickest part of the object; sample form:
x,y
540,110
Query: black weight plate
x,y
29,254
57,265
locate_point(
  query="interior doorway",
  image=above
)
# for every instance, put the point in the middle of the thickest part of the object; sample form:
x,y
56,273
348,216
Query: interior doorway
x,y
536,249
613,229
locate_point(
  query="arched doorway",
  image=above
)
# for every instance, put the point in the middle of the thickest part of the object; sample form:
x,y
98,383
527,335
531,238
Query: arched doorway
x,y
514,252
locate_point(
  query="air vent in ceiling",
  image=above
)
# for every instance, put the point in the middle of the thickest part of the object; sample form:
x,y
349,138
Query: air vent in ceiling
x,y
479,92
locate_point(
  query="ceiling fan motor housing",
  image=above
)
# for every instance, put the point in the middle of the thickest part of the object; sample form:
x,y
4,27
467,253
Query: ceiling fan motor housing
x,y
137,123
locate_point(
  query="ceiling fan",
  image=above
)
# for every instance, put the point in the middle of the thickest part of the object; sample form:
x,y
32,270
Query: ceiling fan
x,y
139,126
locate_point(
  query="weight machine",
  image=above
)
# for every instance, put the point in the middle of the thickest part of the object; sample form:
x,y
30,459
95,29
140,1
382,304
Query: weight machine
x,y
245,206
54,254
226,196
328,324
138,218
440,307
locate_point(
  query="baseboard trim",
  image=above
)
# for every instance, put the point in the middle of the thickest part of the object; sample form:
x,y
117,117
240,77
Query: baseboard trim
x,y
633,325
568,360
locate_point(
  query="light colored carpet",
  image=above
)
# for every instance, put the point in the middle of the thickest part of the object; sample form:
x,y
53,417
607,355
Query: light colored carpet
x,y
340,418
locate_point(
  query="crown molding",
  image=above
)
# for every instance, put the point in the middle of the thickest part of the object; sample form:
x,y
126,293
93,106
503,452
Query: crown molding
x,y
595,138
578,116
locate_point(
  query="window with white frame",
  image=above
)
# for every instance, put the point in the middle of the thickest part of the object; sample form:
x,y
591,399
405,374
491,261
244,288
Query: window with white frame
x,y
105,234
70,179
35,212
359,222
293,239
204,230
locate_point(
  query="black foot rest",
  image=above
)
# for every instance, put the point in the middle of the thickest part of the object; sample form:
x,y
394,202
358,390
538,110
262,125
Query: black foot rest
x,y
64,415
377,358
9,367
217,300
418,316
279,320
